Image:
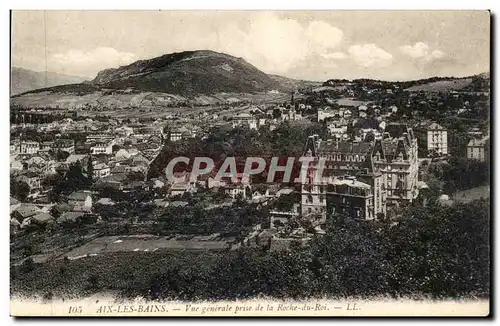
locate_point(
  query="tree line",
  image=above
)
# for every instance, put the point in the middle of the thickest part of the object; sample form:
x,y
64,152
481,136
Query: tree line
x,y
428,252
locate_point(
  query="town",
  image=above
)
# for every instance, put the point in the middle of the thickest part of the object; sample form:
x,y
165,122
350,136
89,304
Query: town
x,y
250,163
71,169
89,185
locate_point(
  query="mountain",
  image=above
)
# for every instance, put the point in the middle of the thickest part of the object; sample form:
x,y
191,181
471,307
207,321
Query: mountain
x,y
196,78
189,73
24,80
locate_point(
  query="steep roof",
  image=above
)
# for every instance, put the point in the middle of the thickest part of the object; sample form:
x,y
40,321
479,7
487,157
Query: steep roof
x,y
78,195
351,183
26,210
343,146
43,218
435,126
105,201
73,158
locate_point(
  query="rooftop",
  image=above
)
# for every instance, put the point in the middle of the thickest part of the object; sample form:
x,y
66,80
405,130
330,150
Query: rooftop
x,y
43,218
435,126
343,146
80,196
351,183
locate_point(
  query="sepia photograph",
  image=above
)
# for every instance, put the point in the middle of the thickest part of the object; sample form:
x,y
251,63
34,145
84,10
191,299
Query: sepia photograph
x,y
200,163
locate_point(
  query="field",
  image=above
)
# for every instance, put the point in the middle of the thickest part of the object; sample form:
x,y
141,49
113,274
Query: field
x,y
469,195
351,102
329,88
148,243
110,101
441,86
186,113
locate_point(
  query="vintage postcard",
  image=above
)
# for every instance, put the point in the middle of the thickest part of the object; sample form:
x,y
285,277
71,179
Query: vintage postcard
x,y
250,163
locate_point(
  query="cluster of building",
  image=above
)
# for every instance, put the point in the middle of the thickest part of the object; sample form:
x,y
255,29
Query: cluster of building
x,y
107,151
23,215
367,170
271,117
361,178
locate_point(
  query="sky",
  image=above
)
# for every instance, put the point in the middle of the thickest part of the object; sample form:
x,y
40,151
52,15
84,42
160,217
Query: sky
x,y
311,45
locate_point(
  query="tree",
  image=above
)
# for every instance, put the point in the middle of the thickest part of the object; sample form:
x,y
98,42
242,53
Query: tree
x,y
285,202
52,180
90,169
461,173
116,148
27,266
239,200
93,281
73,180
276,113
19,189
61,155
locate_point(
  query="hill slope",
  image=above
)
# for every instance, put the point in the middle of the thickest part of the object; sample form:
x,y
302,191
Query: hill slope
x,y
477,83
188,73
24,80
191,77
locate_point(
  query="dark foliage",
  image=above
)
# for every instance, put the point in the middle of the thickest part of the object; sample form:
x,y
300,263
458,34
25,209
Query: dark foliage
x,y
429,252
462,173
19,189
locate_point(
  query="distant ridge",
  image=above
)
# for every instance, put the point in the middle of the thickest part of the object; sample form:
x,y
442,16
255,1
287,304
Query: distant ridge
x,y
201,78
24,80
